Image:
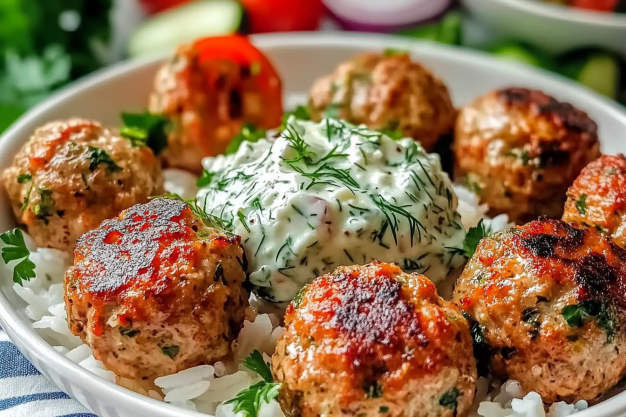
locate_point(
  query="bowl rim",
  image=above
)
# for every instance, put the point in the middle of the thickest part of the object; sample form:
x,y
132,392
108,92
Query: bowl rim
x,y
24,336
567,14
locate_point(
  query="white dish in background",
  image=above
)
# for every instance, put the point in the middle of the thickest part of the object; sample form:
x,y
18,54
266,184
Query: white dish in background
x,y
553,28
300,58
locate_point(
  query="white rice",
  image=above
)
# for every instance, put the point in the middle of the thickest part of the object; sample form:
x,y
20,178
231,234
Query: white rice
x,y
204,388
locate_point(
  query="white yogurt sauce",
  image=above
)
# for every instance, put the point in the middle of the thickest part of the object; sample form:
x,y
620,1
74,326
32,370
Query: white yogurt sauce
x,y
329,194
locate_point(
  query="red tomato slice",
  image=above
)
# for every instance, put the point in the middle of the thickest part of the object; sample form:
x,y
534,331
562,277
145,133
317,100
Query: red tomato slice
x,y
596,5
283,15
156,6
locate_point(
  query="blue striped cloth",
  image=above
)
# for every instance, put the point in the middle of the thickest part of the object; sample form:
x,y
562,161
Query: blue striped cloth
x,y
24,392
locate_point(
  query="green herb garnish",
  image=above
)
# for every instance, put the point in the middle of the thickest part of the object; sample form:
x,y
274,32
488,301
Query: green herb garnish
x,y
129,332
450,398
389,52
208,219
98,156
531,316
22,178
14,250
171,351
250,400
473,238
249,133
576,314
44,209
145,129
383,409
205,179
581,204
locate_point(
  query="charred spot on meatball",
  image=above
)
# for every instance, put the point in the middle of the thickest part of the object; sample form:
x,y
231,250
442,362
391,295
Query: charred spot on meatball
x,y
156,290
73,174
550,306
523,149
371,337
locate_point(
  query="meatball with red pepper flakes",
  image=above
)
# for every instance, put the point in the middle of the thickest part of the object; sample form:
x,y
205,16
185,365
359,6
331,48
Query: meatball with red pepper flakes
x,y
598,198
156,291
547,308
389,92
521,149
373,340
208,90
73,174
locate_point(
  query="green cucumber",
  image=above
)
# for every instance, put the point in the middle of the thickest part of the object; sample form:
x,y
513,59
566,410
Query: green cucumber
x,y
165,31
518,52
598,70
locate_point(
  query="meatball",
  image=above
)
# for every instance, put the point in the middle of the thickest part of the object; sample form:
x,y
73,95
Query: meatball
x,y
521,149
208,97
372,340
598,198
386,92
156,291
546,303
73,174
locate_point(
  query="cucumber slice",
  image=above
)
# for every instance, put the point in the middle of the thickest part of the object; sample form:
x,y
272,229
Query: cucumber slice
x,y
517,53
598,70
165,31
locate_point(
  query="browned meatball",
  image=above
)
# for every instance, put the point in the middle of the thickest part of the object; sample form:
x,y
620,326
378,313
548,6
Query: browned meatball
x,y
156,291
208,96
386,92
521,149
598,198
73,174
547,304
372,340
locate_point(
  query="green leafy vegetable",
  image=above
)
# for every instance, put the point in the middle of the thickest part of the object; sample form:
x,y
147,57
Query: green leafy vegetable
x,y
98,156
392,130
171,351
14,250
45,208
22,178
447,31
145,129
129,332
473,238
249,133
250,400
581,204
482,350
383,409
576,314
450,398
205,179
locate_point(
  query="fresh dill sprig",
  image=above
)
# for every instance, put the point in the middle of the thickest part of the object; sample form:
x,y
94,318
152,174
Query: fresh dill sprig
x,y
390,211
208,219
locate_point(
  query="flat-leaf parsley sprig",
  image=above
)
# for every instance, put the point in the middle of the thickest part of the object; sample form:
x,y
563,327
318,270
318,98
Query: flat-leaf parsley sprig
x,y
250,400
145,129
15,250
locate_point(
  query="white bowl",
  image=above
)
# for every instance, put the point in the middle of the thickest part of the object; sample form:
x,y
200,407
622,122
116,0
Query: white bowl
x,y
300,58
553,28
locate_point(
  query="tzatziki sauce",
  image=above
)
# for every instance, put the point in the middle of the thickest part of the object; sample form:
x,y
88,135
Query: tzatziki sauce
x,y
327,194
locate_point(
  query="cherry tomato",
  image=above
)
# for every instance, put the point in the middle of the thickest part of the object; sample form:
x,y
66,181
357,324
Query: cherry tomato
x,y
596,5
283,15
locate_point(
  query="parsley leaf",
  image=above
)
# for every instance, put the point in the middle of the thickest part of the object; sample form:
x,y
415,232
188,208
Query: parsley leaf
x,y
473,238
250,400
171,351
22,178
392,130
14,250
581,204
205,179
44,209
145,129
300,113
249,133
128,331
450,398
99,156
576,314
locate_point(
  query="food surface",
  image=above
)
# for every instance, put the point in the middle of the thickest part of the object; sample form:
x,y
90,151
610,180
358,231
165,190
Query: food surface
x,y
156,291
386,91
208,90
73,174
546,304
521,149
328,194
372,340
598,198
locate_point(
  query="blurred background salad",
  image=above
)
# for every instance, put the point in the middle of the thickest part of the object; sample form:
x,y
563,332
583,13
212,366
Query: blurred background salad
x,y
44,45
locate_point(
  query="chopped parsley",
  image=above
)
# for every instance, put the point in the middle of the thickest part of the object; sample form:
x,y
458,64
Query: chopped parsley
x,y
521,154
450,399
145,129
531,316
576,314
383,409
205,179
249,401
98,156
16,250
44,209
581,204
297,300
249,133
473,238
129,332
482,350
22,178
171,351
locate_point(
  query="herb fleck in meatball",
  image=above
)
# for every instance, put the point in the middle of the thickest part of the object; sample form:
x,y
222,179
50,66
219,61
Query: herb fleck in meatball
x,y
547,305
208,97
156,291
521,149
598,198
73,174
372,340
386,92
